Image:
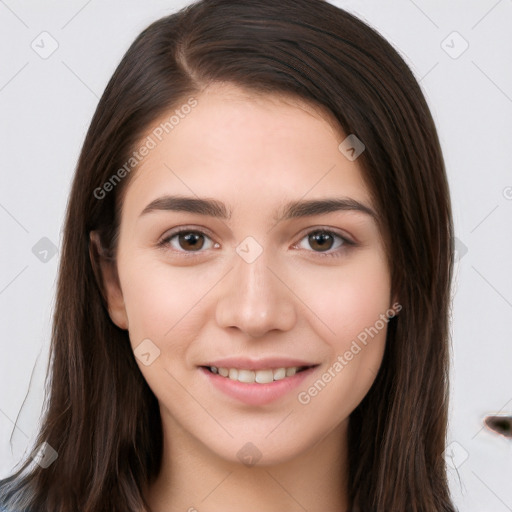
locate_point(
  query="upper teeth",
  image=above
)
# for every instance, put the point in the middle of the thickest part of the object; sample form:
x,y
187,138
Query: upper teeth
x,y
259,376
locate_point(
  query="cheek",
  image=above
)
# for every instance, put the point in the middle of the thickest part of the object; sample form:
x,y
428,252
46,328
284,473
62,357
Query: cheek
x,y
162,305
352,307
347,299
162,302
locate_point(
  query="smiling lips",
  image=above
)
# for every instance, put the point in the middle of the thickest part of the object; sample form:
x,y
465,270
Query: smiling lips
x,y
260,371
257,381
258,386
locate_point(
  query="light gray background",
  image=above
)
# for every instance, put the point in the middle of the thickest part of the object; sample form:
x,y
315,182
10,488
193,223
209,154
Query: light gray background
x,y
46,105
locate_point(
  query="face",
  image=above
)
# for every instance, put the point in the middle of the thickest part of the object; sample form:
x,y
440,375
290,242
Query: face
x,y
248,286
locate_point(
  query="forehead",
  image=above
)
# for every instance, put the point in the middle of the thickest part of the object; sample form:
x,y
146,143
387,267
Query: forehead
x,y
240,147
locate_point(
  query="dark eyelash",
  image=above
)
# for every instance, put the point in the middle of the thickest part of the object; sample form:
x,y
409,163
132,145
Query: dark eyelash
x,y
336,253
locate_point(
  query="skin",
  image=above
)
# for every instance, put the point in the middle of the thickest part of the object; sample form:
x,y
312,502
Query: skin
x,y
254,153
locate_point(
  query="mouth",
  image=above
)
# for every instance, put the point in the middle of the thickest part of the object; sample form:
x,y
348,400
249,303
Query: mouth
x,y
260,376
256,387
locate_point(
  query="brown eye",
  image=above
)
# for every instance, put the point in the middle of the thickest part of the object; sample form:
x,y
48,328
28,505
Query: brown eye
x,y
325,242
191,241
187,241
321,240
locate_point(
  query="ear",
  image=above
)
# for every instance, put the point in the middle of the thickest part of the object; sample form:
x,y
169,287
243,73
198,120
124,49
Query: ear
x,y
105,270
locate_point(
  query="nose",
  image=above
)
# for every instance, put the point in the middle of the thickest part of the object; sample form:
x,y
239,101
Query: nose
x,y
256,298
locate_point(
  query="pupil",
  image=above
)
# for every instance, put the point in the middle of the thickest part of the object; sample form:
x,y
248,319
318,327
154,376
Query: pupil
x,y
319,238
192,239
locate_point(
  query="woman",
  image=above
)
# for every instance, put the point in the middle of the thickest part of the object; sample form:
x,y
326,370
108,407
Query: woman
x,y
252,308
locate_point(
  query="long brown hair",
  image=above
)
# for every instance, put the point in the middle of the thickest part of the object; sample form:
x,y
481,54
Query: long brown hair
x,y
100,416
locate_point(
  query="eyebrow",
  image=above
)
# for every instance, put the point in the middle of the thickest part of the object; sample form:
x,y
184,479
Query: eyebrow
x,y
291,210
